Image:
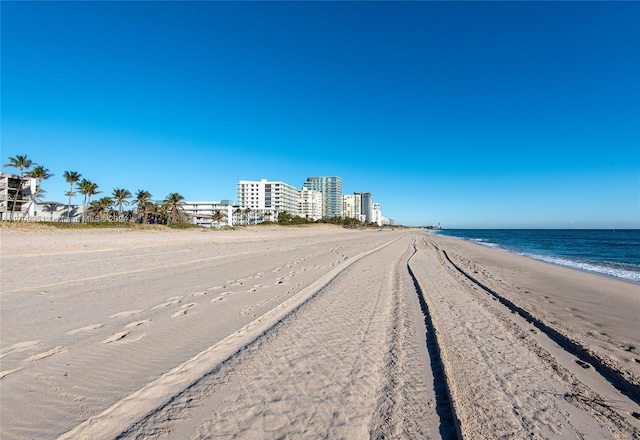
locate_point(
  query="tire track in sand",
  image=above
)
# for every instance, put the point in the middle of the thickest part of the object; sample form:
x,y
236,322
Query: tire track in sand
x,y
500,384
150,400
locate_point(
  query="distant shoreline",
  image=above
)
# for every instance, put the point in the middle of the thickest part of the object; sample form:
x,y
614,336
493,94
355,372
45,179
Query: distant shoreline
x,y
606,252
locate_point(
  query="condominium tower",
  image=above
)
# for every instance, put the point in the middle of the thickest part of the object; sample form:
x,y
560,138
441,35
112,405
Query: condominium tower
x,y
331,189
268,197
16,192
366,205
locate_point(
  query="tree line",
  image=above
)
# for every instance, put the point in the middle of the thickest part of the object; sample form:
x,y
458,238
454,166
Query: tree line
x,y
105,208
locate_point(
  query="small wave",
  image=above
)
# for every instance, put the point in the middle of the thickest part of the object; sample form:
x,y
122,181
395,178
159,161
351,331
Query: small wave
x,y
486,243
602,269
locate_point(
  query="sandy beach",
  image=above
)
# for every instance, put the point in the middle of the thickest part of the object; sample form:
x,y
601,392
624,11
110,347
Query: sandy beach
x,y
308,332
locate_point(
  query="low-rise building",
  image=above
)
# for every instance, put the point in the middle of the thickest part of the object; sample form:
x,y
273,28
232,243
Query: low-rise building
x,y
210,214
58,212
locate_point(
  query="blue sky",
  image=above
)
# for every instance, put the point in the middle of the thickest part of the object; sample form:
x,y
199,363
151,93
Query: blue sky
x,y
468,114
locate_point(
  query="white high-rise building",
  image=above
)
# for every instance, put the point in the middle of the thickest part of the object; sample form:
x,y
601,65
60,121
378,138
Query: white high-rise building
x,y
348,206
365,203
310,204
331,189
352,206
377,214
268,198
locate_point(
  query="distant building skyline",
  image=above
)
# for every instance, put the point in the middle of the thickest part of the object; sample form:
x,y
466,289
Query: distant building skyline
x,y
257,201
267,199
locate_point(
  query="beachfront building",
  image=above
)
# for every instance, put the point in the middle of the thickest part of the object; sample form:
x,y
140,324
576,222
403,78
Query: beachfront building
x,y
352,207
310,204
366,205
388,221
210,214
265,199
377,214
360,206
331,190
348,206
58,212
15,196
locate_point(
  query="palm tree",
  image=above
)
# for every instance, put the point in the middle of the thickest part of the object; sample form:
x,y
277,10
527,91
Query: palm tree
x,y
22,163
237,216
121,196
101,207
155,210
88,189
39,173
173,202
142,201
218,216
71,177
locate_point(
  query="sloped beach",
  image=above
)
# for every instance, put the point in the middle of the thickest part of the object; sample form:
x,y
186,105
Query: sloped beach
x,y
307,332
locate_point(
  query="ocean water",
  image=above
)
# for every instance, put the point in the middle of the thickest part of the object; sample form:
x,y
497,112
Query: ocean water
x,y
614,253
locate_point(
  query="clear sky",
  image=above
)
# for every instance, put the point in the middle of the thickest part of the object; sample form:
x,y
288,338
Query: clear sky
x,y
468,114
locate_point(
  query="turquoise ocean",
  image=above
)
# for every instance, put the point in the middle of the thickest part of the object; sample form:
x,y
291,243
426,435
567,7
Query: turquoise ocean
x,y
614,253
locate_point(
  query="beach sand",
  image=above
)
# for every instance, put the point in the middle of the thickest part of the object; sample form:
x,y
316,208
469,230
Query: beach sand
x,y
307,332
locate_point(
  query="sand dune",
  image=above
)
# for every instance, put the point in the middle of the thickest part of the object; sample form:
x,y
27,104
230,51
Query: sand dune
x,y
308,333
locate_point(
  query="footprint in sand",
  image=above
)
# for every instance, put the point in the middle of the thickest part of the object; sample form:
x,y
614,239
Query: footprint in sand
x,y
16,348
116,337
120,337
46,354
27,345
245,311
170,302
86,328
198,293
136,323
183,310
5,373
126,313
221,297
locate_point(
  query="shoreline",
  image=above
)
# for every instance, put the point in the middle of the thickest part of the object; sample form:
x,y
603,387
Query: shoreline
x,y
591,308
587,266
